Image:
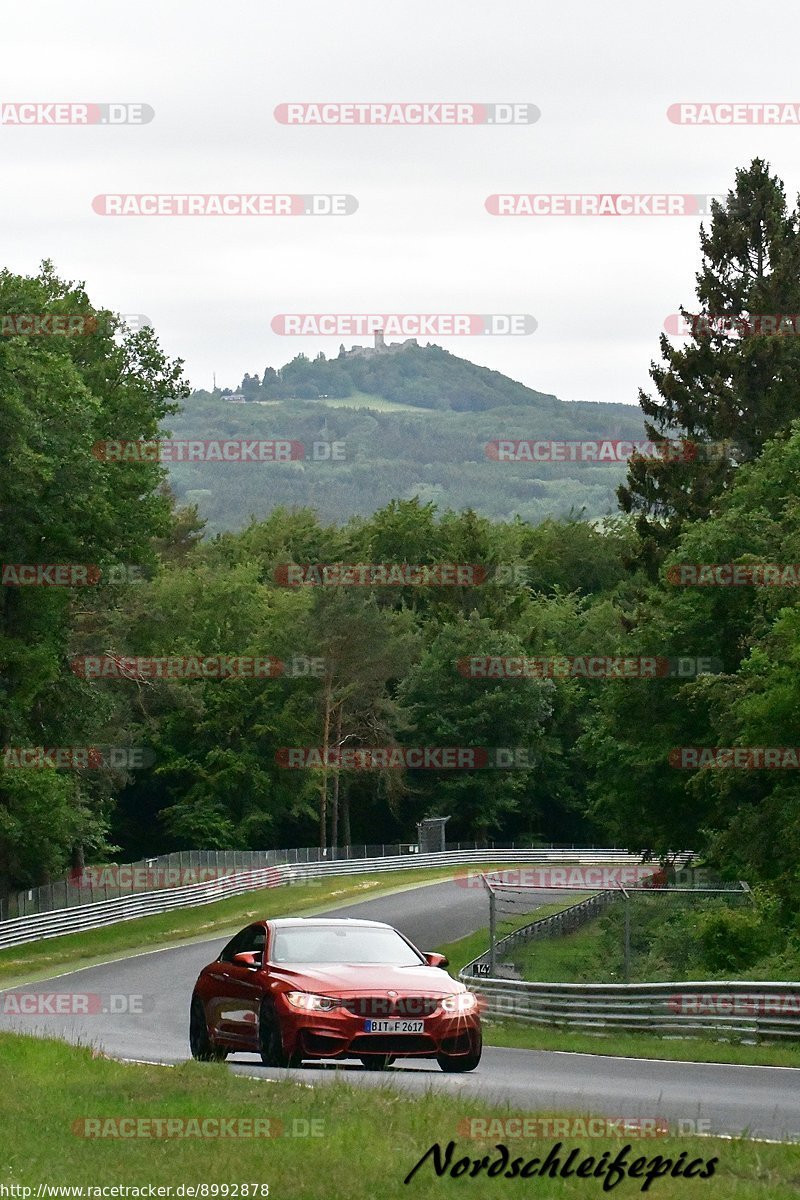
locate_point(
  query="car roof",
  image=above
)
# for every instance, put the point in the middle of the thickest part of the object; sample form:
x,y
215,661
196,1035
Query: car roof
x,y
294,922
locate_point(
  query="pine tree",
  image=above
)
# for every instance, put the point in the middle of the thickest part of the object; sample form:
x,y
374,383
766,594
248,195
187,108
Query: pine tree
x,y
735,384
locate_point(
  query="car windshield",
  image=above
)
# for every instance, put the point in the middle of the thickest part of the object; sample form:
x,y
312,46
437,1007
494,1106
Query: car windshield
x,y
338,944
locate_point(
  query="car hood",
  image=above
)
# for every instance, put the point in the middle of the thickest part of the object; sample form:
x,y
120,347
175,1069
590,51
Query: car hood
x,y
360,978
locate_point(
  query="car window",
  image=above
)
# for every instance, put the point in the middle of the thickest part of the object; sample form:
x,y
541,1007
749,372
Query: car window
x,y
339,944
251,939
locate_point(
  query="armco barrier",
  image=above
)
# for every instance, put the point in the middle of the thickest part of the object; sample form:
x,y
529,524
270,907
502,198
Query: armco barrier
x,y
736,1009
179,868
33,928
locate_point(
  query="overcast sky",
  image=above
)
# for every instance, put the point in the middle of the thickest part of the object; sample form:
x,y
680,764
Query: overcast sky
x,y
421,240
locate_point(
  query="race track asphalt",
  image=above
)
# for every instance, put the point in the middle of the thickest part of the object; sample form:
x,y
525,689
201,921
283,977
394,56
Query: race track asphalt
x,y
761,1101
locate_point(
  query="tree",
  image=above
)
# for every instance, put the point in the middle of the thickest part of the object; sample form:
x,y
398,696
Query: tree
x,y
743,818
444,707
364,650
735,384
62,502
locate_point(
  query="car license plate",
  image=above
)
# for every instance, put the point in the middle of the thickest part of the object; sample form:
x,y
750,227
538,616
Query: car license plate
x,y
394,1026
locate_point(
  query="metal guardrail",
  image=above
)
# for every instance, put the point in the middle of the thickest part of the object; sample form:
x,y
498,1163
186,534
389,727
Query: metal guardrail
x,y
97,884
732,1008
20,930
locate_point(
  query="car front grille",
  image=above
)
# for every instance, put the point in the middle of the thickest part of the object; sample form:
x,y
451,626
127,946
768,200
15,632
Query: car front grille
x,y
392,1007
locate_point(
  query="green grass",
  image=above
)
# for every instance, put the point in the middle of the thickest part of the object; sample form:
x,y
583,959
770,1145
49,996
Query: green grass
x,y
705,941
378,403
465,949
620,1044
365,1143
569,958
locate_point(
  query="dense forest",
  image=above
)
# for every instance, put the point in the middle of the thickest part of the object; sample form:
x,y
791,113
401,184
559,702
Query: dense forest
x,y
440,457
382,664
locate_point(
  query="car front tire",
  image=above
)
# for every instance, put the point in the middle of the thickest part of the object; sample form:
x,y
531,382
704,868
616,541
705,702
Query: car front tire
x,y
200,1042
454,1064
270,1042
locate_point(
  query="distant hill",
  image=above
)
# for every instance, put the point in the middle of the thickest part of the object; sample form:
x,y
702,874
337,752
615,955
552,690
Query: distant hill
x,y
394,448
421,376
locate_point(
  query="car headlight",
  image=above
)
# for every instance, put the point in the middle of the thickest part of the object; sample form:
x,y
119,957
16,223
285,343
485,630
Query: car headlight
x,y
462,1002
308,1002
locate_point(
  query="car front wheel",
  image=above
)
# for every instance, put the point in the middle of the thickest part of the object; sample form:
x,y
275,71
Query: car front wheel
x,y
200,1043
270,1042
456,1063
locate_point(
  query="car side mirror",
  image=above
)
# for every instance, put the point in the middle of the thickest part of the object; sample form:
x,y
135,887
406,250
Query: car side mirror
x,y
247,958
436,960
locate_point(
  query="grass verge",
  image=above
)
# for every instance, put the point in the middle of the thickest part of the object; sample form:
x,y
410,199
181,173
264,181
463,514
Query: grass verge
x,y
522,1036
335,1141
638,1045
465,949
570,958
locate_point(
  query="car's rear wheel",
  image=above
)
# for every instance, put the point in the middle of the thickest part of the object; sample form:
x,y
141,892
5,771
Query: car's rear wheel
x,y
270,1042
200,1042
377,1062
456,1063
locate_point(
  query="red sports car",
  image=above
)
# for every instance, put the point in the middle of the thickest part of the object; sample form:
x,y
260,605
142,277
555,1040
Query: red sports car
x,y
299,988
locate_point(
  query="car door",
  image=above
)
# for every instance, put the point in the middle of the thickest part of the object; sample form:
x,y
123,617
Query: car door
x,y
239,988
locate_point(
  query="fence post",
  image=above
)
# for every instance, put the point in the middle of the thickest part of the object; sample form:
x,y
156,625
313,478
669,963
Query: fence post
x,y
627,936
492,931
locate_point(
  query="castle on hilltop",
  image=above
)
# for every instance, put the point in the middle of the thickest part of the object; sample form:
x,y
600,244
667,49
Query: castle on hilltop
x,y
380,347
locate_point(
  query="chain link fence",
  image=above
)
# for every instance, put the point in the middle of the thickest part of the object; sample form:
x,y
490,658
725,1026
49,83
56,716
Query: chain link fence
x,y
639,935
